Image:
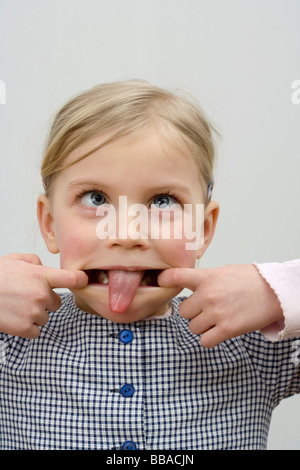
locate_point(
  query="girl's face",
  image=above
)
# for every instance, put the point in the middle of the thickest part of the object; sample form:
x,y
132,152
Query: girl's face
x,y
143,170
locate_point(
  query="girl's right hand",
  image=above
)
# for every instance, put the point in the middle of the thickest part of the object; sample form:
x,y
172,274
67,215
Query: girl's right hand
x,y
26,293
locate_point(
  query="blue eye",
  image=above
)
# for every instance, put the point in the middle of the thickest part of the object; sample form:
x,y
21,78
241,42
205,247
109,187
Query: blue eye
x,y
164,201
93,199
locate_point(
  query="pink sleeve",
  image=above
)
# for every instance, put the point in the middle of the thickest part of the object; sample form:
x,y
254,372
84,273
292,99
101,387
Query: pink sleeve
x,y
284,278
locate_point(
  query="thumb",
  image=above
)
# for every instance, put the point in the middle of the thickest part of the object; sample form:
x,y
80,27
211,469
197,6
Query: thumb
x,y
65,278
180,277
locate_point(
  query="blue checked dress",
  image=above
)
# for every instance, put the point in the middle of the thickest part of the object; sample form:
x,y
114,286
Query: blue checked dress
x,y
88,383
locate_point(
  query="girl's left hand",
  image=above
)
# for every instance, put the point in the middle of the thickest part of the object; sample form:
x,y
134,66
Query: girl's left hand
x,y
226,302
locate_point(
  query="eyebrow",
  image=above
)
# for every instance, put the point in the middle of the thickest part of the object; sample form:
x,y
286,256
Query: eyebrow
x,y
171,185
84,182
175,186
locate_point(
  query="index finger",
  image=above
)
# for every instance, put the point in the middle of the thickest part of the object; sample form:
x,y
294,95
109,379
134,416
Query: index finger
x,y
180,277
27,257
65,278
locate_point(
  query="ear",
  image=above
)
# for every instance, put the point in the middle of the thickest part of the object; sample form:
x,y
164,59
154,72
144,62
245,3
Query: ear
x,y
211,215
46,223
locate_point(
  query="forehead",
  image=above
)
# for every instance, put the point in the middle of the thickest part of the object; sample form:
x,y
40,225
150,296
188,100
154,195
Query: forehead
x,y
137,157
148,142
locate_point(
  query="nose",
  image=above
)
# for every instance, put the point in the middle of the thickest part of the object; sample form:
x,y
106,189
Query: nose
x,y
126,228
131,232
128,242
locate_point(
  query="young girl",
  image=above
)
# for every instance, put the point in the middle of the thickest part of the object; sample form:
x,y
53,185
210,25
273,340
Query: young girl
x,y
118,363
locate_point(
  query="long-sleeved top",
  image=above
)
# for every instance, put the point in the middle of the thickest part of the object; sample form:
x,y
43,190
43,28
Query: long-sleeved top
x,y
284,278
89,383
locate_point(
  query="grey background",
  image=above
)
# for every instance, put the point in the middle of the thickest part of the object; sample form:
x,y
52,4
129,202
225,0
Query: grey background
x,y
239,58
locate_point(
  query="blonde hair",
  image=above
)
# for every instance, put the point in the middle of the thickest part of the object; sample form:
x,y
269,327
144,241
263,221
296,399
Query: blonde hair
x,y
121,108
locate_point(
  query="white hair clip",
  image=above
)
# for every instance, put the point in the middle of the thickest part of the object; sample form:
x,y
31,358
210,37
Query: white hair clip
x,y
210,188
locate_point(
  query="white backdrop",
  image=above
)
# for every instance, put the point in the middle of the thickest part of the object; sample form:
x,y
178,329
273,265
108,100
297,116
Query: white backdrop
x,y
238,57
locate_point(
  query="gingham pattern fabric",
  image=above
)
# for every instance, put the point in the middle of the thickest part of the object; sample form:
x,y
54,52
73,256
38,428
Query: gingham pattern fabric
x,y
63,389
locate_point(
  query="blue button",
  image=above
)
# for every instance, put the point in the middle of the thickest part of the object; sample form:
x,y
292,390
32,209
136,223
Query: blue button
x,y
127,390
126,336
129,445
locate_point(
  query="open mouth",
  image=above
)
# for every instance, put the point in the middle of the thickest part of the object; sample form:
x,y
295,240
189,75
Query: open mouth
x,y
100,276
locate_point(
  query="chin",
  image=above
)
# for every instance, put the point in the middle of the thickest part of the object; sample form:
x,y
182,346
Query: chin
x,y
147,301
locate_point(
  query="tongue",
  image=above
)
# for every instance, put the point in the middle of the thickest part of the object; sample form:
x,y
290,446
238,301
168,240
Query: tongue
x,y
122,288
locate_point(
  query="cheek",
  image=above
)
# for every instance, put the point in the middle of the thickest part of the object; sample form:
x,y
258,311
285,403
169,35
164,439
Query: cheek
x,y
75,244
175,249
71,250
175,252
